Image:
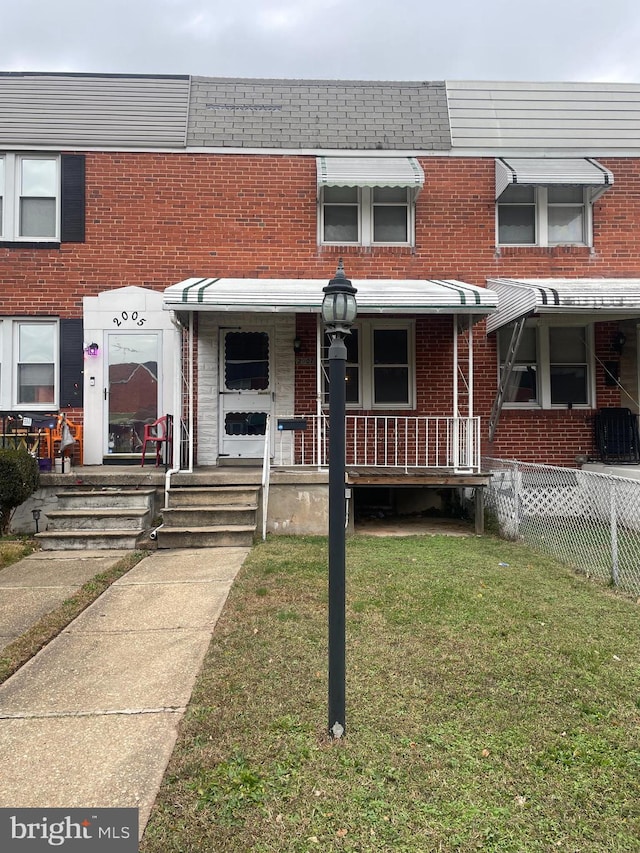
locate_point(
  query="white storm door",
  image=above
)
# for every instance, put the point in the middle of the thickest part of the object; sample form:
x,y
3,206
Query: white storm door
x,y
131,390
245,392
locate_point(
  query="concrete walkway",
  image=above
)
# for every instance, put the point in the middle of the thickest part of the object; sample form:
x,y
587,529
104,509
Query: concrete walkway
x,y
91,720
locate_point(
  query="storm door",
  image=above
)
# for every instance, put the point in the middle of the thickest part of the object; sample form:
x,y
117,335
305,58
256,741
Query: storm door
x,y
131,391
245,392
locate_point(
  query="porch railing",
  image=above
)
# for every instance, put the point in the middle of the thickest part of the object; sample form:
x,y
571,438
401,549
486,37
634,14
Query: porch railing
x,y
383,441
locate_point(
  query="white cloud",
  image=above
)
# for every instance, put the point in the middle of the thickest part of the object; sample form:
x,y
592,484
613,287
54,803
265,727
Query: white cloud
x,y
352,39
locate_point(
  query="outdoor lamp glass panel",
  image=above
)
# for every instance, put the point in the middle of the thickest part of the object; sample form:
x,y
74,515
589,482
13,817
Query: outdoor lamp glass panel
x,y
339,309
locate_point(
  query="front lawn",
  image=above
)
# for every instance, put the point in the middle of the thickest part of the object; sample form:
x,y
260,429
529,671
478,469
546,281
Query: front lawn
x,y
493,704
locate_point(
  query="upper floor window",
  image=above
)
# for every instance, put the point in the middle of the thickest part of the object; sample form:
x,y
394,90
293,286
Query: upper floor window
x,y
367,201
42,198
544,216
547,202
366,215
30,190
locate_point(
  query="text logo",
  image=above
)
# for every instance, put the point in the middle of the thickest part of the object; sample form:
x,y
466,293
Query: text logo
x,y
69,830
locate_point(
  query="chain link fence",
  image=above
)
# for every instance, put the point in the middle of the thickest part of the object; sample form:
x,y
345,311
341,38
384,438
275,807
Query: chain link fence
x,y
588,520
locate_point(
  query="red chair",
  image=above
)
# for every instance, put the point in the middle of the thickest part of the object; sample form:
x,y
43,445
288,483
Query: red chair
x,y
158,433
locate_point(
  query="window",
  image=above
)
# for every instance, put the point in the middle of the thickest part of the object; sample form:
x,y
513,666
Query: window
x,y
522,386
543,216
379,370
390,367
568,368
366,215
552,366
36,363
42,198
29,364
31,197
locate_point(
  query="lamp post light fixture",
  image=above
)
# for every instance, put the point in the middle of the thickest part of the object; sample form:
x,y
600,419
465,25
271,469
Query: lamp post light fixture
x,y
36,517
338,313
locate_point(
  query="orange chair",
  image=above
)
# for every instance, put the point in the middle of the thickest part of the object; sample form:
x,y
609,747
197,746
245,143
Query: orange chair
x,y
51,439
158,433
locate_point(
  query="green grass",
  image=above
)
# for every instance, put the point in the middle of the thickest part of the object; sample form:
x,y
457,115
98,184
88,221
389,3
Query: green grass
x,y
14,548
490,707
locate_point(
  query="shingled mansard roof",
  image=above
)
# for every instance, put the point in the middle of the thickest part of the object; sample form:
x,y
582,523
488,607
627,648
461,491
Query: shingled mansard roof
x,y
119,111
318,114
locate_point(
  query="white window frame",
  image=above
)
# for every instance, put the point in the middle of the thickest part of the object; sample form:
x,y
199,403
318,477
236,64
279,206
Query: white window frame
x,y
365,205
11,195
541,219
543,363
366,366
9,353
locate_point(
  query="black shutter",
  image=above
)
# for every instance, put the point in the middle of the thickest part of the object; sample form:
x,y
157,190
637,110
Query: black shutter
x,y
71,363
73,198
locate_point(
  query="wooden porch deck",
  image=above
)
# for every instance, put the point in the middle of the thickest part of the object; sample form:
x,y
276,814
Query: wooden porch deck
x,y
371,476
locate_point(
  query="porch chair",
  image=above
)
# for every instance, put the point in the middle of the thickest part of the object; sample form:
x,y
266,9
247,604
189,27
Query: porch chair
x,y
158,433
616,436
51,439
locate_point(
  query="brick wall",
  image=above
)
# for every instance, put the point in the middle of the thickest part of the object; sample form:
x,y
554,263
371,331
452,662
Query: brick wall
x,y
155,219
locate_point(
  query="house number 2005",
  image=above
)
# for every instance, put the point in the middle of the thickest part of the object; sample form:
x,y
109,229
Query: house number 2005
x,y
134,317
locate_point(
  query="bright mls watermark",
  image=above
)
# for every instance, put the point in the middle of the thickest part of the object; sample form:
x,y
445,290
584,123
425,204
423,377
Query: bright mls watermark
x,y
86,830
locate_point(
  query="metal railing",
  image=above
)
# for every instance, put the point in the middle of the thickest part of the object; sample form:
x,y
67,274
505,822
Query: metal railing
x,y
588,520
387,442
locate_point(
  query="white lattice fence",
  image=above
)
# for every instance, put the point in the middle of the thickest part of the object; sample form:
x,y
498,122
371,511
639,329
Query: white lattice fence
x,y
588,520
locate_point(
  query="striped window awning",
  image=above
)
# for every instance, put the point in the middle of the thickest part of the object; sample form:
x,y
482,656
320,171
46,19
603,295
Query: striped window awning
x,y
413,296
526,171
369,172
590,299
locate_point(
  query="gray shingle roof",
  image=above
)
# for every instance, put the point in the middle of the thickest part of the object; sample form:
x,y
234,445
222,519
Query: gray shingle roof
x,y
329,114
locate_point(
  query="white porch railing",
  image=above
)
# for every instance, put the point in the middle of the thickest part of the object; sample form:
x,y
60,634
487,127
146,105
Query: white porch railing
x,y
383,441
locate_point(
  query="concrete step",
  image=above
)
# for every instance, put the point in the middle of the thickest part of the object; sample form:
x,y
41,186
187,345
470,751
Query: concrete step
x,y
88,540
194,496
99,519
112,498
218,477
206,537
209,516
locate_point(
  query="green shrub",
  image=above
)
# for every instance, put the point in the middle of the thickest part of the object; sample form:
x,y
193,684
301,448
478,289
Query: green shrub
x,y
19,478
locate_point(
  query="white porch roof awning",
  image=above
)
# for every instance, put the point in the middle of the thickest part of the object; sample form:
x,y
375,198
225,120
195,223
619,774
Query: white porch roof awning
x,y
369,172
294,295
527,171
590,299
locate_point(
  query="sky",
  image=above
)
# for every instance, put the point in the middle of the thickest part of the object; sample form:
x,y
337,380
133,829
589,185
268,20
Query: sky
x,y
537,40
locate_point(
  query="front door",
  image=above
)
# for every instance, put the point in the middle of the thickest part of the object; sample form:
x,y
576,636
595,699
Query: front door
x,y
131,391
245,392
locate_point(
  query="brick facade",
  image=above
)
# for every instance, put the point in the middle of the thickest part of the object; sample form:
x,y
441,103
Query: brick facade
x,y
153,219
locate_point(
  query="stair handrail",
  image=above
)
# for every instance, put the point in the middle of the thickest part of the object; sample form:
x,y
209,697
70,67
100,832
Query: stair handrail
x,y
266,475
